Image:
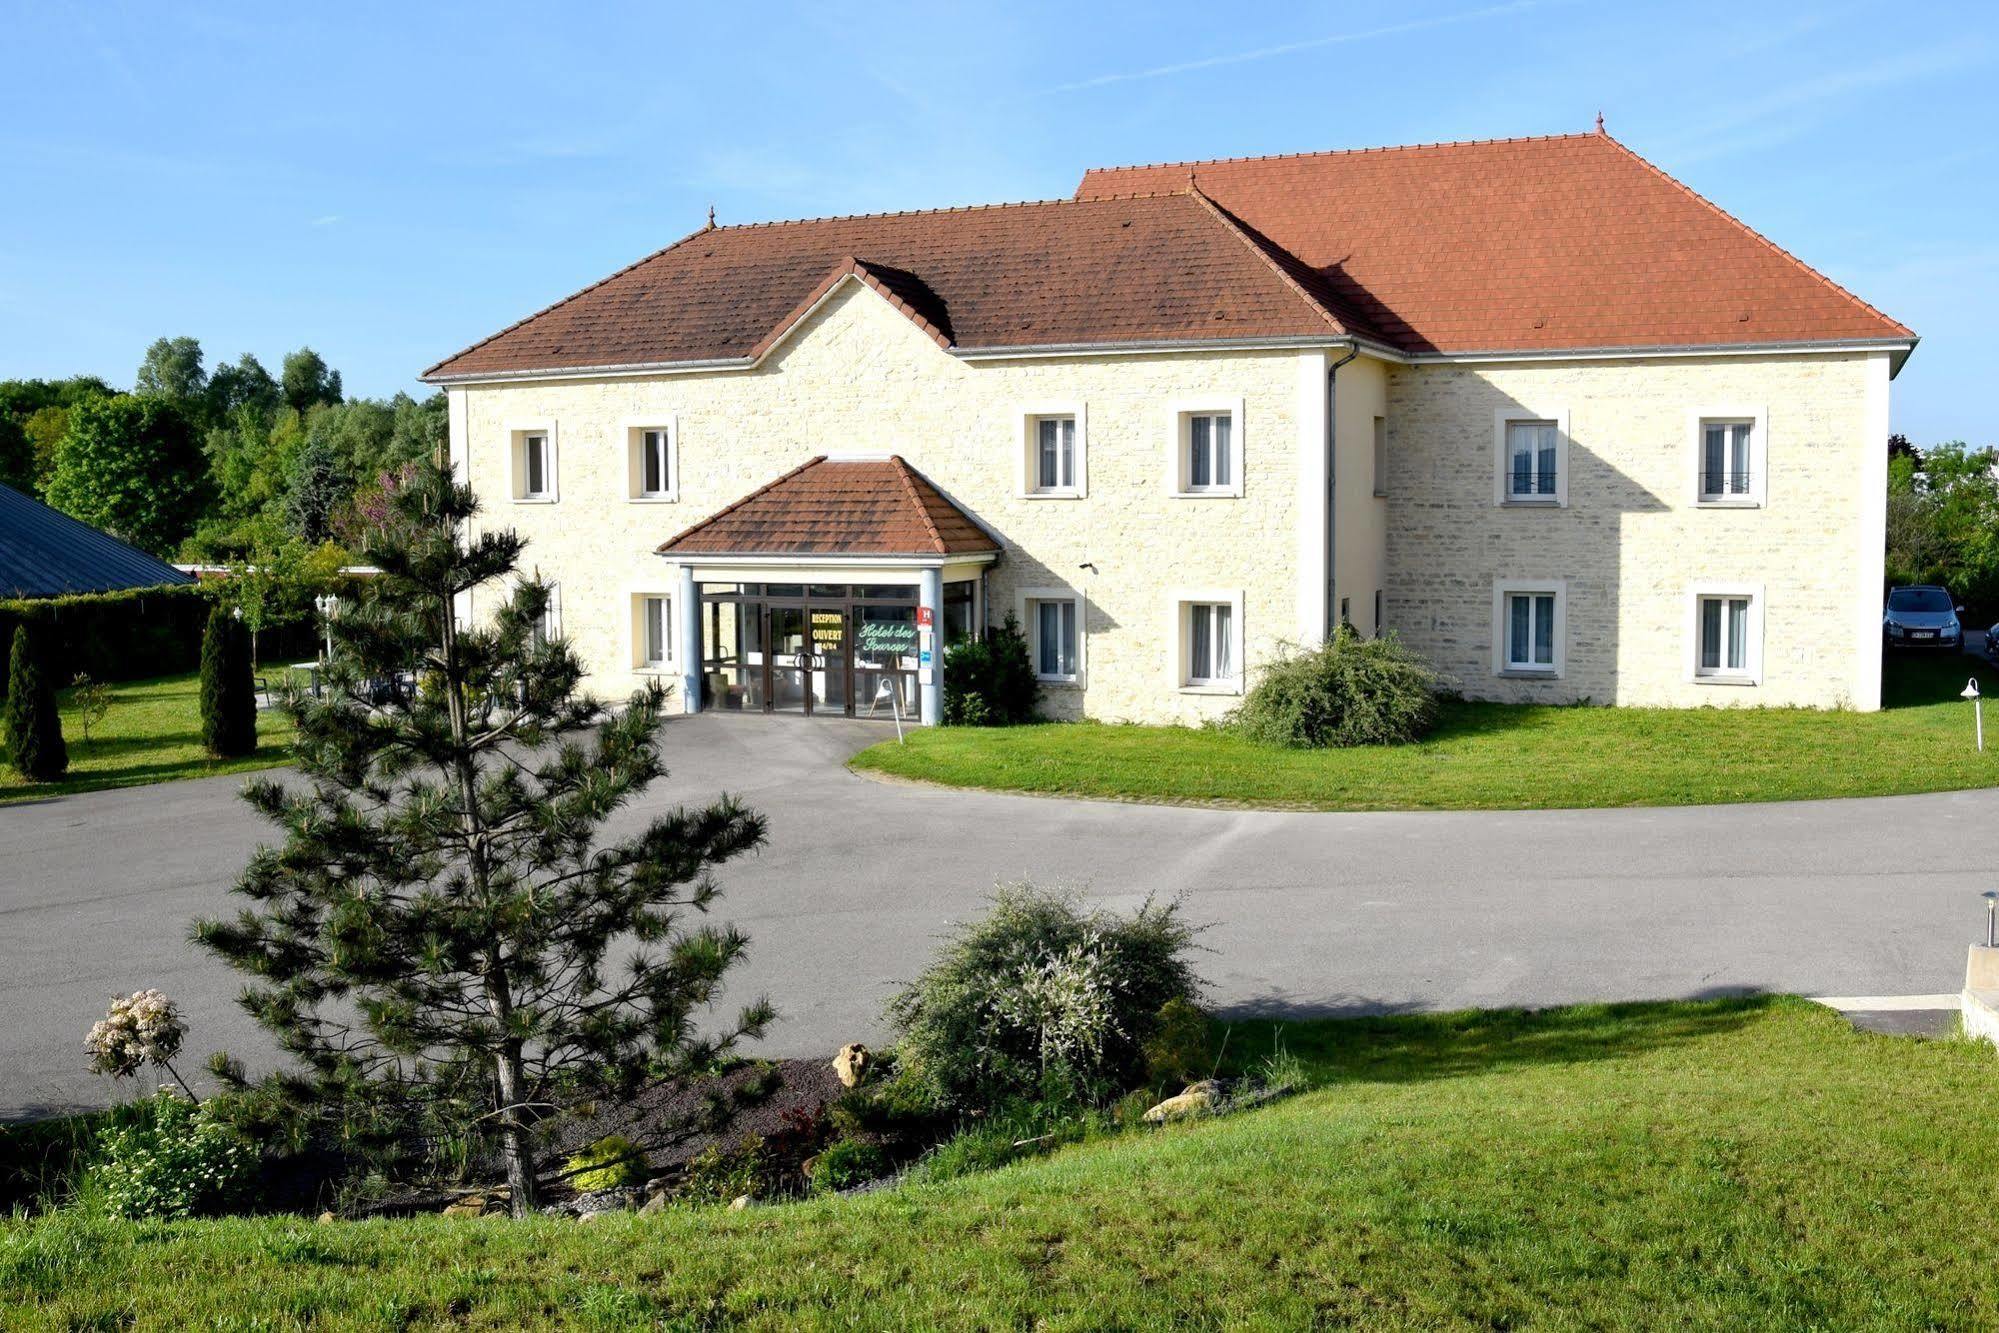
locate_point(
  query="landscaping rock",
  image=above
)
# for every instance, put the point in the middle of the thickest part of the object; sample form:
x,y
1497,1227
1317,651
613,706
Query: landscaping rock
x,y
1197,1099
471,1206
622,1199
852,1064
740,1202
655,1204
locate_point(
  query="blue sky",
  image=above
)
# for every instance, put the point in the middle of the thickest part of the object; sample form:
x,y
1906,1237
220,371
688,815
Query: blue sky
x,y
388,183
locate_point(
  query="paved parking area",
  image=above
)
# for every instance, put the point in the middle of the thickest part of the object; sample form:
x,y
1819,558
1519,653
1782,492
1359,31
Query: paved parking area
x,y
1308,913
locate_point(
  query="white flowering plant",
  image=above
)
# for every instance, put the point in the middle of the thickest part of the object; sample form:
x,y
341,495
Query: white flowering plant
x,y
175,1160
142,1028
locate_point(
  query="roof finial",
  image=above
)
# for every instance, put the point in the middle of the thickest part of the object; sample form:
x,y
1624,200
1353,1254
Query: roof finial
x,y
1599,122
711,208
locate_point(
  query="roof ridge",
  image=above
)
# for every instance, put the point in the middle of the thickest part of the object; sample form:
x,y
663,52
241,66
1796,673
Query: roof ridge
x,y
1063,202
907,474
1340,152
1235,229
1754,234
731,508
580,291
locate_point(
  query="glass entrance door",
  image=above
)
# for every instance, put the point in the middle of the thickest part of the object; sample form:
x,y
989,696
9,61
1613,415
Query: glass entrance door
x,y
809,659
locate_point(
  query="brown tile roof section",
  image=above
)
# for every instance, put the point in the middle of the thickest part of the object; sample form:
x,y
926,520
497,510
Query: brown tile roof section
x,y
1162,267
843,506
1521,244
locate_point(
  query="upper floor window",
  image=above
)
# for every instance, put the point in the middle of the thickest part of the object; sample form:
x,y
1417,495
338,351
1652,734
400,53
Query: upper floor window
x,y
1532,456
534,464
655,461
1208,447
1729,457
1053,463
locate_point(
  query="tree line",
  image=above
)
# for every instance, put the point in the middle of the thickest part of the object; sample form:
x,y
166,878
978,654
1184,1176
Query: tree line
x,y
230,465
1943,521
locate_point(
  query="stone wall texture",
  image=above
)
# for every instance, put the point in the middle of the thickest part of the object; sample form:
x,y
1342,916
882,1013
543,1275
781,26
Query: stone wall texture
x,y
1632,542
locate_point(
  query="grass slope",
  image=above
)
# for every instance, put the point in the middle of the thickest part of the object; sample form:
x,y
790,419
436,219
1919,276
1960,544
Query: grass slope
x,y
1489,756
1713,1164
151,734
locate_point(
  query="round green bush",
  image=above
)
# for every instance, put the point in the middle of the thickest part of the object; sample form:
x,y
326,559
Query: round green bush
x,y
612,1162
848,1163
178,1161
1349,691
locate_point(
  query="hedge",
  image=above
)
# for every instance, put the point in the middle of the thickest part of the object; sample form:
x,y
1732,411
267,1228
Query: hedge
x,y
114,636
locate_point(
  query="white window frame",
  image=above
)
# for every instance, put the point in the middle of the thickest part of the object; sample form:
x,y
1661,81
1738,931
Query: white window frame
x,y
1027,463
517,438
1180,444
1501,493
1752,658
551,616
1024,603
1505,589
1180,640
640,662
635,433
1698,420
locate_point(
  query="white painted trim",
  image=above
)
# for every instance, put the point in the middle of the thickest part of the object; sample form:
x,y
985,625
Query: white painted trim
x,y
1313,443
706,560
516,465
1501,498
1028,626
1179,638
632,429
1504,588
1752,672
1025,451
1758,418
1177,413
1871,538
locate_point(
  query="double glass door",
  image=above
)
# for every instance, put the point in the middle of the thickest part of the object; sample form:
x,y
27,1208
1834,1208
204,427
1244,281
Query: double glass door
x,y
809,657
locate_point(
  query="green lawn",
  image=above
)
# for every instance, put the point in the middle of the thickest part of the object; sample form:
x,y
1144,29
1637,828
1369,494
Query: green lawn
x,y
1724,1164
1498,756
151,734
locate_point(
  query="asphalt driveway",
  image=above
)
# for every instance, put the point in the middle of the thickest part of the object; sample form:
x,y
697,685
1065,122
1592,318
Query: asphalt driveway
x,y
1310,913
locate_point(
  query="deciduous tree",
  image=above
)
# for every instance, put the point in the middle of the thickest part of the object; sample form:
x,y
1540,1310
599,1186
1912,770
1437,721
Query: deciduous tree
x,y
131,466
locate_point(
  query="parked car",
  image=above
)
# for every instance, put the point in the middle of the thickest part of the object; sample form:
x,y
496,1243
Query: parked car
x,y
1920,616
1992,645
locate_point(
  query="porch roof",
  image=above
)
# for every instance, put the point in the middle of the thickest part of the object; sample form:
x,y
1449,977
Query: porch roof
x,y
839,506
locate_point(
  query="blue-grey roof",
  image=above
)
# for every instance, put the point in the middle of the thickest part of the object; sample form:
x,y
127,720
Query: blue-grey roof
x,y
44,553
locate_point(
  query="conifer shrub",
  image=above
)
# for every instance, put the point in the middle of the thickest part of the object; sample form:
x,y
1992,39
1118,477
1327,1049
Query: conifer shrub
x,y
34,728
990,682
228,691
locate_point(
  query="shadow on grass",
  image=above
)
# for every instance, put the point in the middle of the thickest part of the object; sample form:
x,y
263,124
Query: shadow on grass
x,y
1913,679
1411,1047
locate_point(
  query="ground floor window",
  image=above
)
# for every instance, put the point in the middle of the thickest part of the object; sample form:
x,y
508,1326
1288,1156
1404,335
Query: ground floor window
x,y
1727,635
960,611
1051,635
655,631
1530,625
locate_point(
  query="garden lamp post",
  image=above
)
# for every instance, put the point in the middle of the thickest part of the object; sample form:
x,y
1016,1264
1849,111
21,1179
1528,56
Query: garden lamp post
x,y
1977,709
1991,919
329,607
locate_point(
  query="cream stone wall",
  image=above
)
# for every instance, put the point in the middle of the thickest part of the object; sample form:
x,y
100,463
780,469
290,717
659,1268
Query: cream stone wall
x,y
1360,517
1631,542
858,378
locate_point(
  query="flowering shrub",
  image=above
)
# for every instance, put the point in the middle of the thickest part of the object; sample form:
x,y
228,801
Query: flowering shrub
x,y
1042,999
177,1162
141,1028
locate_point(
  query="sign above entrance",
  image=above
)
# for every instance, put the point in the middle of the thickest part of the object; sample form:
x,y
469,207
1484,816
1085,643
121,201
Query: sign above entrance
x,y
884,638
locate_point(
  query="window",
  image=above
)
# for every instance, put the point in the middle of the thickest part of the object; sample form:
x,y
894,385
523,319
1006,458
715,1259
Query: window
x,y
1207,639
655,631
1530,627
534,464
1532,453
1728,457
1377,613
1052,463
1053,620
1726,639
1381,456
549,627
1207,449
960,611
655,460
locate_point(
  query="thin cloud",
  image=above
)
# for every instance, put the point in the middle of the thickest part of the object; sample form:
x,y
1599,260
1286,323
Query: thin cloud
x,y
1290,48
328,220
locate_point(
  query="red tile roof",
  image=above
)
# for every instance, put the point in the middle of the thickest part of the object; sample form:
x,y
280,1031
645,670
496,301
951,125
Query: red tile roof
x,y
1155,268
846,506
1571,242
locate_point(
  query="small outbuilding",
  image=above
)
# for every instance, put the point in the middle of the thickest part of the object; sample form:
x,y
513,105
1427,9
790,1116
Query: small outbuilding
x,y
46,553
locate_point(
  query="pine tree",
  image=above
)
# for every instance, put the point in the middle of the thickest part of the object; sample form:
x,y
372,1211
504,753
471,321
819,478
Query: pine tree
x,y
34,727
228,691
431,939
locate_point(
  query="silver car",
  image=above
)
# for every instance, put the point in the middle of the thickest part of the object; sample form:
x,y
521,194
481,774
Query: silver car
x,y
1921,616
